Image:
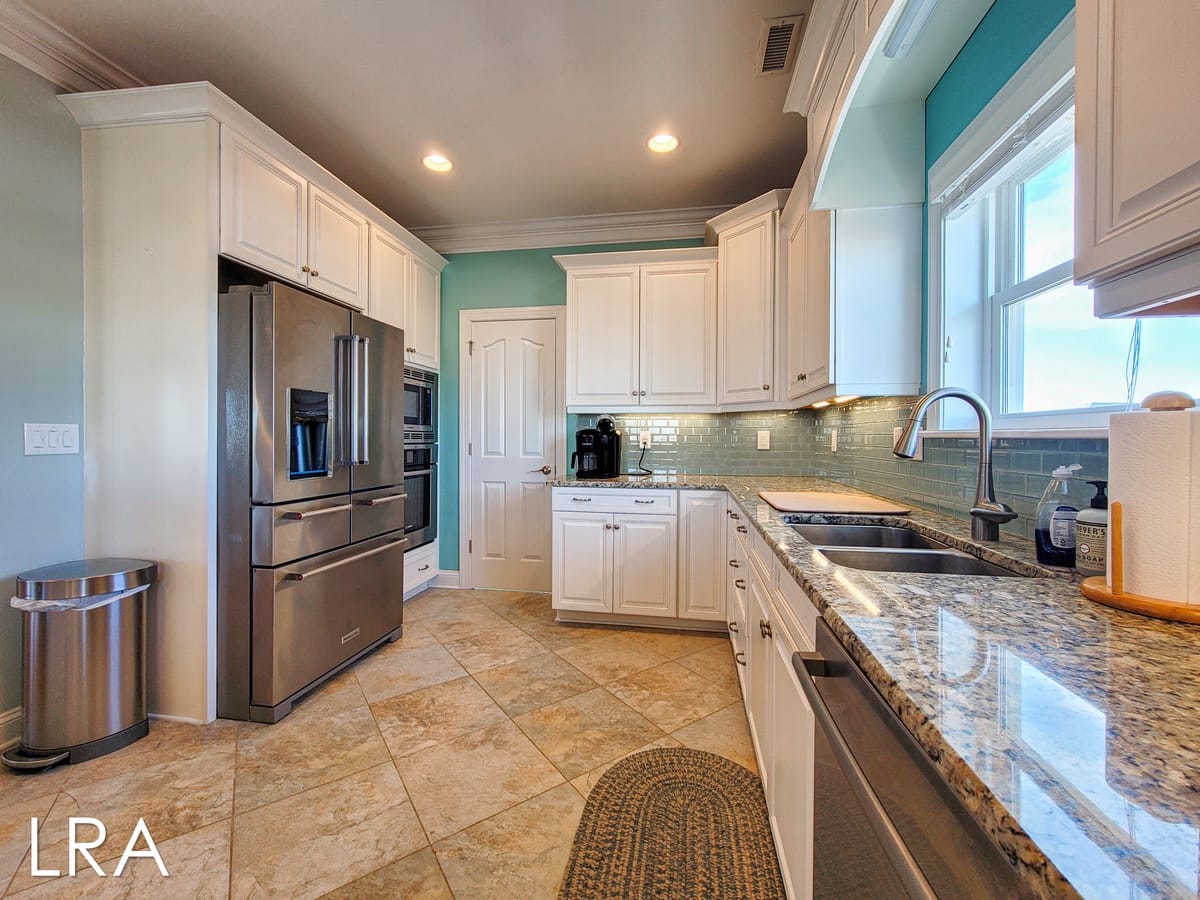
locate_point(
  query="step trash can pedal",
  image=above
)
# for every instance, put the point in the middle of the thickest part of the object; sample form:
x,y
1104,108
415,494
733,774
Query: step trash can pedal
x,y
84,672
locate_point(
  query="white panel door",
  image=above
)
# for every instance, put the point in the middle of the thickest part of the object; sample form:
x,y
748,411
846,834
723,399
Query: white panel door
x,y
745,302
423,329
644,564
758,676
702,561
679,334
263,209
791,777
1138,133
817,325
387,283
602,337
337,249
514,448
583,562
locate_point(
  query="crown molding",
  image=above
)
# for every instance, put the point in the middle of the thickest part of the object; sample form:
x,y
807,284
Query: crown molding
x,y
43,47
569,261
570,231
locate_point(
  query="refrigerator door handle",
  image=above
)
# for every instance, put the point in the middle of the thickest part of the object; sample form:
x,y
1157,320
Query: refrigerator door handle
x,y
363,424
328,567
345,367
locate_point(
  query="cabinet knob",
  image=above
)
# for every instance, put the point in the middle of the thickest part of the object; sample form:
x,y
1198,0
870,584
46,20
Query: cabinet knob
x,y
802,377
314,273
616,528
633,393
305,269
641,393
766,387
608,526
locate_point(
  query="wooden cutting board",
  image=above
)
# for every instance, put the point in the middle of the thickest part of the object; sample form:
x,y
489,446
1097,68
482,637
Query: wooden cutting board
x,y
826,502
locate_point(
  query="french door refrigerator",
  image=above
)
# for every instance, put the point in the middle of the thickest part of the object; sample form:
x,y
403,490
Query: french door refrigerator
x,y
310,494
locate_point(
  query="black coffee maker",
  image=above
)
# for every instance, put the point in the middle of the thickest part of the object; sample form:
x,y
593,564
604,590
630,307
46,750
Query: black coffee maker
x,y
597,450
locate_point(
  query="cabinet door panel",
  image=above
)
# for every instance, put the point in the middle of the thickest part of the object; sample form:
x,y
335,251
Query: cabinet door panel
x,y
337,249
817,323
797,283
790,801
703,563
583,562
387,283
263,212
602,337
644,564
1138,171
746,306
423,327
759,675
679,334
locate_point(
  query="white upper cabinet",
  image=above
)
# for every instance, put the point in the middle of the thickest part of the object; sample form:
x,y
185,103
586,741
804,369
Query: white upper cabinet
x,y
1138,143
263,209
678,334
641,329
746,308
337,249
602,336
423,314
814,364
388,282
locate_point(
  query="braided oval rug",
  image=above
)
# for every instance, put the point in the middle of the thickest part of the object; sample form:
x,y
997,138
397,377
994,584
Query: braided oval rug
x,y
674,823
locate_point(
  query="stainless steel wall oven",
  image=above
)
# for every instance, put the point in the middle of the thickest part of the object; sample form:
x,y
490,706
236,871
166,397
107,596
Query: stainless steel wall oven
x,y
420,484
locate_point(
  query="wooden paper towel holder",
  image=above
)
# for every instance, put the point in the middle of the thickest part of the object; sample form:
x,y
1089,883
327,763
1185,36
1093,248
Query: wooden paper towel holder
x,y
1098,590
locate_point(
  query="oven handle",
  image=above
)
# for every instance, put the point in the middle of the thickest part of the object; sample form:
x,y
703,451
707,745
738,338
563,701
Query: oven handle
x,y
328,567
412,473
379,501
812,665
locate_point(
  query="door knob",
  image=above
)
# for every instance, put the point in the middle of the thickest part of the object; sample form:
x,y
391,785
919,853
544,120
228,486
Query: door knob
x,y
545,470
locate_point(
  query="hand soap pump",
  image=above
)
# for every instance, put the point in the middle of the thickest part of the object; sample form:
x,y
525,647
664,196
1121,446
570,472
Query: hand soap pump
x,y
1056,511
1091,534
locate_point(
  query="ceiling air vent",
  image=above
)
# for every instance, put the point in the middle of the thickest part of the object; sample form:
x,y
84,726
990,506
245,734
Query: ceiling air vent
x,y
777,44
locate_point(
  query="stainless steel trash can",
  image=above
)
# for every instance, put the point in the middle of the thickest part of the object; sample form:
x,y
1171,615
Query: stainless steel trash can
x,y
84,678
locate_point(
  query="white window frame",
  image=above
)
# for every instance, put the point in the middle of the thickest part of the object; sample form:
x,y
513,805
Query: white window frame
x,y
1041,84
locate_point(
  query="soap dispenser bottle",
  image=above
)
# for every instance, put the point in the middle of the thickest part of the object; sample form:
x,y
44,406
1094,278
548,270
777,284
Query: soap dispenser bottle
x,y
1091,534
1056,512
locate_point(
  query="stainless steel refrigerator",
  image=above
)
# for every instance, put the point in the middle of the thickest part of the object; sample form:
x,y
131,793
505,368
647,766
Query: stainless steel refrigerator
x,y
310,494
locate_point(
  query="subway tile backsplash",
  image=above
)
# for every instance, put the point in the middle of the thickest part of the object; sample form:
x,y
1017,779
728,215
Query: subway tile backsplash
x,y
800,445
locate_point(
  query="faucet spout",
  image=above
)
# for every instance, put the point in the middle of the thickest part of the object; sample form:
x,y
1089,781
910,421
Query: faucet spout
x,y
987,514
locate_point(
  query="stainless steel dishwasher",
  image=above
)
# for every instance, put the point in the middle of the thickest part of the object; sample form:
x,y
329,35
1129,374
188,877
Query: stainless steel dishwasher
x,y
885,822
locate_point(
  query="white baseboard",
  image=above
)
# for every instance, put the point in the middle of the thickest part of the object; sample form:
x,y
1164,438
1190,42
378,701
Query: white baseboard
x,y
445,579
10,728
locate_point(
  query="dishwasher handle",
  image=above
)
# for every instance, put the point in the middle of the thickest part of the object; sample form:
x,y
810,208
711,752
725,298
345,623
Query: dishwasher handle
x,y
812,665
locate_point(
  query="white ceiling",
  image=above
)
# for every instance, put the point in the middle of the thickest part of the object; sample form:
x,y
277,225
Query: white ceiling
x,y
543,105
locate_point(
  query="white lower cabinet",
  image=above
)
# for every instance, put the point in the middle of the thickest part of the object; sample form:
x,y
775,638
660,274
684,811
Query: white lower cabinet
x,y
645,554
420,568
583,555
758,674
702,559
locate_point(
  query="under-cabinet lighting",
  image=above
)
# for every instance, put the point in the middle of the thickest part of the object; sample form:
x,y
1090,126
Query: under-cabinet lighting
x,y
845,399
437,163
663,143
821,404
908,28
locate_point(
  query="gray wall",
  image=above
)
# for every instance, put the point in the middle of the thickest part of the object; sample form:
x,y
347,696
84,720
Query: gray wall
x,y
41,342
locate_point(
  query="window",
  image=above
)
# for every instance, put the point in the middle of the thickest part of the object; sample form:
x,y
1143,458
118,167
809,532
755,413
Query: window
x,y
1009,322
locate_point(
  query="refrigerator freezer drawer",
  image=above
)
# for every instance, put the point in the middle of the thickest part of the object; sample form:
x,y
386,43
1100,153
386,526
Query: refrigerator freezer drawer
x,y
284,533
377,512
308,618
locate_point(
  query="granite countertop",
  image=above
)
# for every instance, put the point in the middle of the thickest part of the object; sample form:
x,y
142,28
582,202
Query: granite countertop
x,y
1071,731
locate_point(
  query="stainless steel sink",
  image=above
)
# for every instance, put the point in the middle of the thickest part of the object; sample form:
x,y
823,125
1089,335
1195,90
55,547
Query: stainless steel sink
x,y
927,562
866,536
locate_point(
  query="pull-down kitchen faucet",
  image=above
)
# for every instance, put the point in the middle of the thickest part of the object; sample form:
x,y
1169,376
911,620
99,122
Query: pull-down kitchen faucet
x,y
987,514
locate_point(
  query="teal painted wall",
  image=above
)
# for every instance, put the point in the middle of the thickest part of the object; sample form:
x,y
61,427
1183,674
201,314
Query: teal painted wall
x,y
1000,44
41,341
491,281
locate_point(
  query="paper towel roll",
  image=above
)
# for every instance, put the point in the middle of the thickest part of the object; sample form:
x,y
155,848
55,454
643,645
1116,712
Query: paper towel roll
x,y
1154,472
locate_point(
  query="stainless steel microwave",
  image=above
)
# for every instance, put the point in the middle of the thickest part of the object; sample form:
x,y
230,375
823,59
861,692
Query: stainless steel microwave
x,y
420,406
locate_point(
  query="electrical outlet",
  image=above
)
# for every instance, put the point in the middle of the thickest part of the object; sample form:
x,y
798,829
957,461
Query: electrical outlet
x,y
644,439
833,441
920,442
764,440
51,439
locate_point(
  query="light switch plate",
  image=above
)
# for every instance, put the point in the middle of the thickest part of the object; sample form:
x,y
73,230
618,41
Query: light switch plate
x,y
920,442
44,440
833,441
764,439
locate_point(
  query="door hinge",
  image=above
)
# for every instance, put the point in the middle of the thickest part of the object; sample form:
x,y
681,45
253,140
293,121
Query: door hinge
x,y
468,448
470,348
470,546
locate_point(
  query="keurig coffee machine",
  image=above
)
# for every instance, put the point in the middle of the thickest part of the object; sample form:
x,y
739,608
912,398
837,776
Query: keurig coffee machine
x,y
597,450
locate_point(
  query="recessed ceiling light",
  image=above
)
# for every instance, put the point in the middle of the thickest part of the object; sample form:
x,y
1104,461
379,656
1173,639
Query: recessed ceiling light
x,y
437,163
663,143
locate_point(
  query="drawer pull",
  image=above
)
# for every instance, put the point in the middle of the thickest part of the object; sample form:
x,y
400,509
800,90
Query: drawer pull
x,y
742,529
314,513
329,567
644,501
733,563
733,627
424,568
739,583
379,501
739,658
764,628
581,499
734,515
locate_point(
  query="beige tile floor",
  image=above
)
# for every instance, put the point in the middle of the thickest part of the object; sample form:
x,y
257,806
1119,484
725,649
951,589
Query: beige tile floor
x,y
453,763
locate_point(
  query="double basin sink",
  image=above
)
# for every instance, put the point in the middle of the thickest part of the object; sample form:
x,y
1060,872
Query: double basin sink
x,y
888,548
